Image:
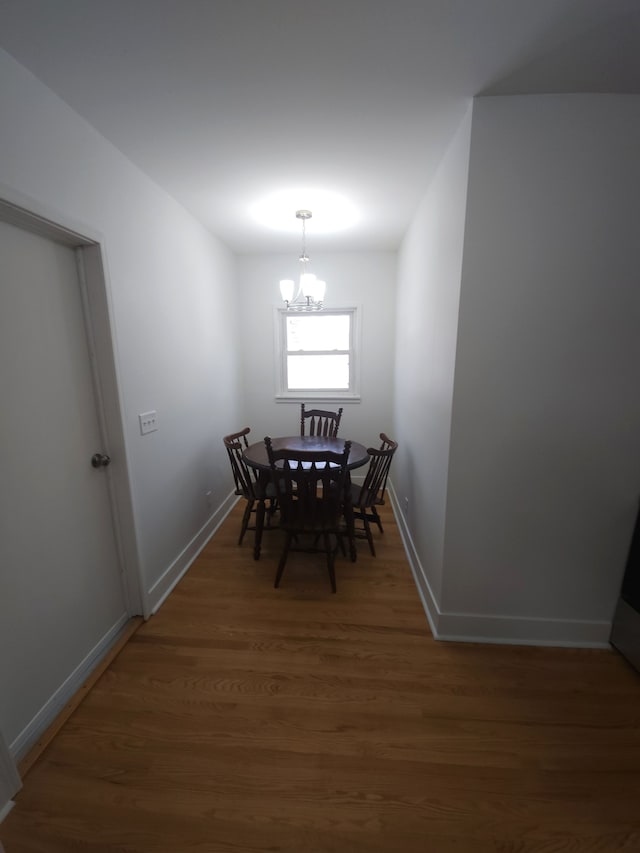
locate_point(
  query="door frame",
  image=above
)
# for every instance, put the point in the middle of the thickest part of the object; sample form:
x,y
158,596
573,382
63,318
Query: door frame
x,y
10,782
97,309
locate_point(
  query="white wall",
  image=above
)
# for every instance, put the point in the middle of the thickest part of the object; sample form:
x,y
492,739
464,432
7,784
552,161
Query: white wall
x,y
426,333
174,312
366,280
518,419
170,286
544,471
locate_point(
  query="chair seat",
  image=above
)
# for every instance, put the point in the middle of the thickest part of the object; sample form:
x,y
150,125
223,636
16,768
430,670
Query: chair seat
x,y
357,493
258,493
299,520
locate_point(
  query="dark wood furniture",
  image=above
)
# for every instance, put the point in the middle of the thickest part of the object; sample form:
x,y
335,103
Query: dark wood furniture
x,y
366,498
319,421
311,487
257,492
256,457
256,454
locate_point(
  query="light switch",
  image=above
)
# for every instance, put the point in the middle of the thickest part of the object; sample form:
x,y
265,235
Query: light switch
x,y
148,422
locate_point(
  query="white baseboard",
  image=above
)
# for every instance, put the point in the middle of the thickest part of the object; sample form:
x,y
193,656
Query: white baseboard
x,y
521,631
52,707
4,811
490,628
425,592
167,581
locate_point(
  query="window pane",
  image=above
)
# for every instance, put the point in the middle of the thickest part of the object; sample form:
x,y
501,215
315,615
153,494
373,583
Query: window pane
x,y
318,332
317,372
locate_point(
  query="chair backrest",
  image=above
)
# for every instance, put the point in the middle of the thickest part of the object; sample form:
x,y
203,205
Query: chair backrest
x,y
319,421
310,486
375,482
244,477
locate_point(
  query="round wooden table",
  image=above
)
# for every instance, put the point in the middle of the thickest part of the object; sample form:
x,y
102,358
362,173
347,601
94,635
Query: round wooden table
x,y
256,454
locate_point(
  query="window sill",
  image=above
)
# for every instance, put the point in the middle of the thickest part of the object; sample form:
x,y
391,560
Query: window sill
x,y
315,396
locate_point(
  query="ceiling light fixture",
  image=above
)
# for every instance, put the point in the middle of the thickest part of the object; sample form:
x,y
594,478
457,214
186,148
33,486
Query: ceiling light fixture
x,y
332,213
310,293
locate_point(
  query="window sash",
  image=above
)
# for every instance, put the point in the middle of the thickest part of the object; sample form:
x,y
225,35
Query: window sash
x,y
304,329
327,393
333,365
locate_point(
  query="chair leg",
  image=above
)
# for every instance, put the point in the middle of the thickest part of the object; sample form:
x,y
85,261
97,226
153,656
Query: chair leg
x,y
283,560
353,554
351,531
331,558
260,511
270,511
245,520
367,530
376,518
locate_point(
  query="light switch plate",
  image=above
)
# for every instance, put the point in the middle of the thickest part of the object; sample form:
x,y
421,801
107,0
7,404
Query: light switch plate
x,y
148,422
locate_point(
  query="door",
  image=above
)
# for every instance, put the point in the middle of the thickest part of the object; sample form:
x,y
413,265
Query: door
x,y
61,589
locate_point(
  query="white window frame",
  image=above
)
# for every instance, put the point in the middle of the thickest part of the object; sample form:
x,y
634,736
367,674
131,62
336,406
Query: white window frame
x,y
301,395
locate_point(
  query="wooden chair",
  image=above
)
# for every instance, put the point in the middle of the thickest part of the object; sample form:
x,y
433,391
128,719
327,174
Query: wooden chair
x,y
260,498
366,498
311,489
319,422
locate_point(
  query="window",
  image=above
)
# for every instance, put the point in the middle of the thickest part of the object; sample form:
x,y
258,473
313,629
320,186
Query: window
x,y
317,354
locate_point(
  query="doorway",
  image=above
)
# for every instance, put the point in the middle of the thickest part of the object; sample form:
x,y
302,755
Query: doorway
x,y
68,578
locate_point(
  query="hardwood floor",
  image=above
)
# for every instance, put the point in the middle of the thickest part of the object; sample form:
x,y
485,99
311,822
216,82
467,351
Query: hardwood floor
x,y
243,718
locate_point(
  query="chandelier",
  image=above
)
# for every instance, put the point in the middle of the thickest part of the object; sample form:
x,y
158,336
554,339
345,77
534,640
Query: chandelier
x,y
310,290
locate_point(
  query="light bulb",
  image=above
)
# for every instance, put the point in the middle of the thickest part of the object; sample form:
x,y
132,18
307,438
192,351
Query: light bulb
x,y
286,289
308,284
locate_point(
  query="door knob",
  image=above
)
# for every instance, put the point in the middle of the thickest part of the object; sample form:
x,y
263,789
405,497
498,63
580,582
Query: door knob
x,y
100,460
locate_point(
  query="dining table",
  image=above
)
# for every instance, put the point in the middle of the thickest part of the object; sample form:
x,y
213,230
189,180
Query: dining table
x,y
256,454
257,458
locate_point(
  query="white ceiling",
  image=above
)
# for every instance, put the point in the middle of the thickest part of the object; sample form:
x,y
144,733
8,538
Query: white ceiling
x,y
223,102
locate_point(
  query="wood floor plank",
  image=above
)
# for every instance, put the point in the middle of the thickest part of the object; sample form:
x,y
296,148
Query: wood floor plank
x,y
244,718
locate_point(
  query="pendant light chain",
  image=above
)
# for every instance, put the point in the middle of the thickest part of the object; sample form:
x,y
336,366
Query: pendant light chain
x,y
304,215
310,293
303,256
